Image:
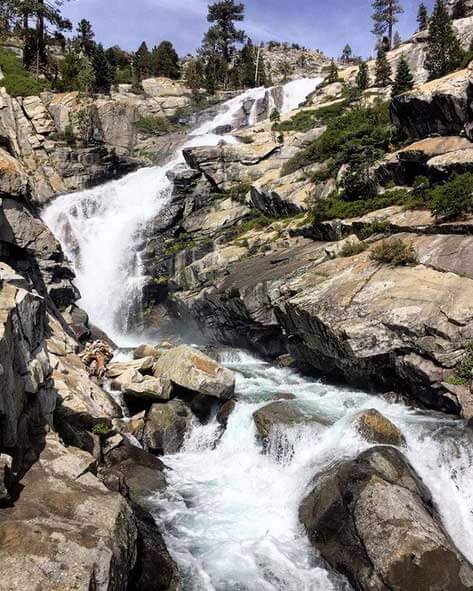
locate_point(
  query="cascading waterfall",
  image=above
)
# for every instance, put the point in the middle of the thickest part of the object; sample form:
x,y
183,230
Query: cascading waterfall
x,y
100,228
229,515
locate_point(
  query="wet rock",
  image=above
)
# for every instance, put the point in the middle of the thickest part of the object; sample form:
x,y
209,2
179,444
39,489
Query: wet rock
x,y
225,412
284,396
134,426
146,351
146,389
193,371
374,520
166,427
375,428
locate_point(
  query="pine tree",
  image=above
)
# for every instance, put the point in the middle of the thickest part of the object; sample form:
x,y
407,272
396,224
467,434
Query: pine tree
x,y
385,16
383,69
195,76
397,40
85,37
102,70
422,17
142,62
165,61
444,52
362,78
347,54
86,77
333,73
246,65
220,41
404,80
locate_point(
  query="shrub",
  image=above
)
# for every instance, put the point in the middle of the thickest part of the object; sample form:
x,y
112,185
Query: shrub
x,y
153,125
364,132
239,191
453,199
351,249
101,429
376,227
394,252
463,371
18,81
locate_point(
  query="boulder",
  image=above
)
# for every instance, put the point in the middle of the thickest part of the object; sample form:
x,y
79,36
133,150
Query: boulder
x,y
6,463
374,520
375,428
144,351
191,370
166,427
441,106
66,530
148,389
225,411
143,365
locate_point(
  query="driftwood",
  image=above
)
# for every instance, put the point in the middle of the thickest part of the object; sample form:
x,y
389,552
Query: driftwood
x,y
96,356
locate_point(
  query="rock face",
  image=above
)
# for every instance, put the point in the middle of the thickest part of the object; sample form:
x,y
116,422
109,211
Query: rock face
x,y
373,520
438,107
66,530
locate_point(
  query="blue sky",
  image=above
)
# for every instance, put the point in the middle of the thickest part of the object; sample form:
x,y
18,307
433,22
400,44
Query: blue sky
x,y
323,24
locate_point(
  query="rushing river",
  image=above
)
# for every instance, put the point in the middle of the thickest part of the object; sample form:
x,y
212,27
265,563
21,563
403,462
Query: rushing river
x,y
230,513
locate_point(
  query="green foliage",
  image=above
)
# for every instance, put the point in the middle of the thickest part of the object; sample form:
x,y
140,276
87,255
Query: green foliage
x,y
394,252
164,61
454,198
422,17
151,125
397,42
239,191
18,81
333,73
376,227
404,80
347,54
444,52
85,38
385,16
142,62
361,133
258,221
362,77
103,73
462,375
195,76
351,248
101,429
383,69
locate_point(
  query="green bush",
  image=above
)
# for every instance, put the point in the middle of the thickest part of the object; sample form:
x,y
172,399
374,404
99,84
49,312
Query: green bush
x,y
394,252
101,429
376,227
18,81
453,199
351,249
361,134
239,191
463,371
153,125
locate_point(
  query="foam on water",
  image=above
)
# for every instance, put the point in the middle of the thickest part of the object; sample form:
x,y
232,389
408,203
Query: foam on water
x,y
231,517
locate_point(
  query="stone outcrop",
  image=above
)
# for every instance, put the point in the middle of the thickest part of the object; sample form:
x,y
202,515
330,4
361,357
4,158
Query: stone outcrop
x,y
373,520
375,428
438,107
166,427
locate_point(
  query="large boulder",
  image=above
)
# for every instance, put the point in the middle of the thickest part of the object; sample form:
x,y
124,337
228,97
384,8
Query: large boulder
x,y
166,427
66,530
441,106
375,428
373,520
189,369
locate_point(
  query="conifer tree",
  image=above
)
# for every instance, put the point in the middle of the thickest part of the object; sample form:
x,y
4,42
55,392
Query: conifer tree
x,y
404,80
142,62
102,70
246,65
385,16
165,61
459,9
422,17
444,52
362,77
85,37
397,40
333,73
383,69
194,75
347,54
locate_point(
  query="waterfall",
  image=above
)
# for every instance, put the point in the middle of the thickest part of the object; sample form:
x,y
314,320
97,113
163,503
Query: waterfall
x,y
100,228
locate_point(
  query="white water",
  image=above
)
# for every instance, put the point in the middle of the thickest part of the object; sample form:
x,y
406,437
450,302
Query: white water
x,y
230,518
100,228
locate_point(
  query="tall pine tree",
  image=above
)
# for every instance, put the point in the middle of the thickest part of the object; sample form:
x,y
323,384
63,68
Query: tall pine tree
x,y
102,70
142,62
333,73
383,69
444,52
85,37
385,16
165,61
404,80
347,54
422,17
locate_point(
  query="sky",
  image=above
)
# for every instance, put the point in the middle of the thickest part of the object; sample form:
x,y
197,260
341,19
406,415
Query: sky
x,y
323,24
